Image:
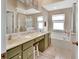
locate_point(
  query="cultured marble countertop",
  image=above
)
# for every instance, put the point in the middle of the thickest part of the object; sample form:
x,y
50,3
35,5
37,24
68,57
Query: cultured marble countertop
x,y
22,38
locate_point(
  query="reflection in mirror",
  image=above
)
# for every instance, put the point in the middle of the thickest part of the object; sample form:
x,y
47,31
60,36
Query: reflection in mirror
x,y
20,23
29,23
10,22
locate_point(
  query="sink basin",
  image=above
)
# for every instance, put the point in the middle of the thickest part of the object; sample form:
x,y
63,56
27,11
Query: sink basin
x,y
27,36
12,41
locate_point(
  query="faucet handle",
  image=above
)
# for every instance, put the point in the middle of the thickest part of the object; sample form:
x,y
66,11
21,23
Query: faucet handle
x,y
10,36
75,43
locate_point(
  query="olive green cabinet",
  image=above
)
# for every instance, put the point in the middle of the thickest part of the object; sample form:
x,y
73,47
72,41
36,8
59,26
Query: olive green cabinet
x,y
47,41
44,42
27,45
38,39
18,56
25,50
14,53
28,49
28,53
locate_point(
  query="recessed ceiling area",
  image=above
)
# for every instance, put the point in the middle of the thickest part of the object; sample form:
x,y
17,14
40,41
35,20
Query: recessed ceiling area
x,y
59,5
26,7
48,5
27,12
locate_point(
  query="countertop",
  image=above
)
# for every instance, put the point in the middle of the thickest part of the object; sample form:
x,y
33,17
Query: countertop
x,y
22,38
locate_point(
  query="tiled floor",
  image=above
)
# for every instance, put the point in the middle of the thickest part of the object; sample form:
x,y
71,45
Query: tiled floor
x,y
56,53
48,54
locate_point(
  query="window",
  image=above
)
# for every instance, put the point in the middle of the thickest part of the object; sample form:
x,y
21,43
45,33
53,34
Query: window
x,y
58,21
40,22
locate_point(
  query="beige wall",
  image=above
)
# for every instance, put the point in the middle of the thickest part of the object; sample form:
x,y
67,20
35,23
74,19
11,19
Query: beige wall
x,y
21,5
21,21
22,18
11,4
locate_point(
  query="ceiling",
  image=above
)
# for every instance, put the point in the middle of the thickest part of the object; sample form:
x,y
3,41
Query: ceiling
x,y
49,5
59,5
27,12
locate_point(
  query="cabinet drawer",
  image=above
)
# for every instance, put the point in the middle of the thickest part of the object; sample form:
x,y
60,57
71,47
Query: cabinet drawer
x,y
27,44
39,38
12,52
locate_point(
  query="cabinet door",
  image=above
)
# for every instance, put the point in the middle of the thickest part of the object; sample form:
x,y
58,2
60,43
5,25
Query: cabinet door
x,y
18,56
28,52
49,39
41,45
25,54
13,52
30,57
46,41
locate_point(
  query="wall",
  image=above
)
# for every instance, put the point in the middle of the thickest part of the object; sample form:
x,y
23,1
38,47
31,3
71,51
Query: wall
x,y
75,48
11,4
3,19
21,5
21,20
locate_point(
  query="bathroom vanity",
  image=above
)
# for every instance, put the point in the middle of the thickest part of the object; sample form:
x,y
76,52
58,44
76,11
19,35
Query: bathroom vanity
x,y
22,46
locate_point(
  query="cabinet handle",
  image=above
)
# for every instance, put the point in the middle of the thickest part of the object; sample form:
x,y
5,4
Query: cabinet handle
x,y
19,57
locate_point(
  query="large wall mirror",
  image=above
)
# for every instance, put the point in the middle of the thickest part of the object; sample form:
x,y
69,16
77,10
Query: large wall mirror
x,y
18,22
